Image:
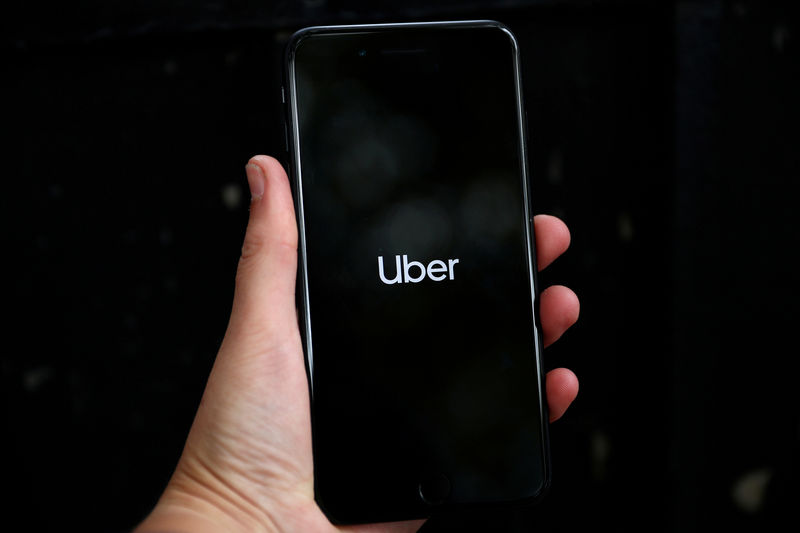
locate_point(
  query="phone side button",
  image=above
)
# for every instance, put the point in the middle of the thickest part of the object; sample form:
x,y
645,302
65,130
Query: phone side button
x,y
435,489
286,136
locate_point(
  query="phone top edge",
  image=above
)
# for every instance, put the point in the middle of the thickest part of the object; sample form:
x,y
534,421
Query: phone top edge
x,y
303,33
300,35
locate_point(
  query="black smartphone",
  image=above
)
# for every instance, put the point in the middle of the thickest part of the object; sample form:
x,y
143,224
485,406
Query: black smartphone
x,y
418,299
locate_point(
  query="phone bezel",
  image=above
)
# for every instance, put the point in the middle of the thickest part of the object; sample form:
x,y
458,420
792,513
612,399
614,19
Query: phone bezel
x,y
303,299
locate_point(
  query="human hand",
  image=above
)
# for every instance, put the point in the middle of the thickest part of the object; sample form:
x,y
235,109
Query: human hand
x,y
247,464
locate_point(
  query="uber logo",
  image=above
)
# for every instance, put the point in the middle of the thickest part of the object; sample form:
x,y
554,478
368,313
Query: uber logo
x,y
437,270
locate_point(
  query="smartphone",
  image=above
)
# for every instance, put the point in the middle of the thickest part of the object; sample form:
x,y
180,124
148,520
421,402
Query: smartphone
x,y
418,297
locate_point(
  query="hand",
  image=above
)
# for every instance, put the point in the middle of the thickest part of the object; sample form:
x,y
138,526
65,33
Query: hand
x,y
247,463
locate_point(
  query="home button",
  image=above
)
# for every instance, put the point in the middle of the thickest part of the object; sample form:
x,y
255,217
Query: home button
x,y
434,489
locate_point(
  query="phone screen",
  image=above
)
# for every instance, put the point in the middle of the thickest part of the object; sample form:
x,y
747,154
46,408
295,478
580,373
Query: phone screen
x,y
417,253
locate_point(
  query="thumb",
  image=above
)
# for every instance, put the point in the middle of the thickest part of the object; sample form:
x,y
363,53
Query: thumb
x,y
264,305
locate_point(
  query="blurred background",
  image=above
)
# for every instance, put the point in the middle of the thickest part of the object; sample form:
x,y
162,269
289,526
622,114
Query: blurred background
x,y
664,133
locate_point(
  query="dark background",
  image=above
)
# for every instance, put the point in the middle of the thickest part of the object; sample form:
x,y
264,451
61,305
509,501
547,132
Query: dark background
x,y
665,134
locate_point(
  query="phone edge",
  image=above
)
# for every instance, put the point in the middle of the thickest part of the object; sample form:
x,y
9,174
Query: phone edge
x,y
293,147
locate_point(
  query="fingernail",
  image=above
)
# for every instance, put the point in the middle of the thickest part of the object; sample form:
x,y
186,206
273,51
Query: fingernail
x,y
255,178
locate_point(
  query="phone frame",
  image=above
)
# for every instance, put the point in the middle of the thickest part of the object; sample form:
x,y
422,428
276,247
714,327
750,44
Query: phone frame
x,y
291,122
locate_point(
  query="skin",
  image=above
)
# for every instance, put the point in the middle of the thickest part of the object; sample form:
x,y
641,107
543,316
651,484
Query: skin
x,y
247,463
